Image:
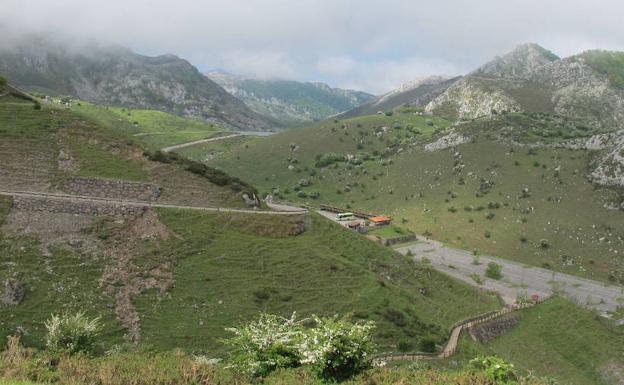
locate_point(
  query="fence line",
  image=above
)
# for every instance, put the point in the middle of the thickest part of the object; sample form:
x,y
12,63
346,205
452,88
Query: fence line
x,y
456,330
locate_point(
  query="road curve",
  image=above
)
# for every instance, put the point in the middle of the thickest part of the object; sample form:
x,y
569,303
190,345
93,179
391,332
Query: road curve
x,y
285,210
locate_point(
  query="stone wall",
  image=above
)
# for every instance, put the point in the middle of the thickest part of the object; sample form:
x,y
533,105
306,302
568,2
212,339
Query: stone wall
x,y
114,189
488,331
52,205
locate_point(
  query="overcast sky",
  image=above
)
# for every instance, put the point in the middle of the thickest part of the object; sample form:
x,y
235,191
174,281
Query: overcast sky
x,y
371,45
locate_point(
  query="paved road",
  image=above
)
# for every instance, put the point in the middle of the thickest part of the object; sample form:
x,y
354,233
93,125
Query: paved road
x,y
278,210
518,279
236,134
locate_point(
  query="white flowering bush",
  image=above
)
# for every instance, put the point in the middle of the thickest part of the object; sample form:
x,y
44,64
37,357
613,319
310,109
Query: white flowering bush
x,y
266,344
71,333
335,348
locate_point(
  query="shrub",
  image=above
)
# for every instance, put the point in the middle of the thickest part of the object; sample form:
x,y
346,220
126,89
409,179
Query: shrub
x,y
494,271
337,349
427,345
71,333
3,81
494,368
266,344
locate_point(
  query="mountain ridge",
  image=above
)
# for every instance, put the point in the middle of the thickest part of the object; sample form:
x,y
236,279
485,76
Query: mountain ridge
x,y
289,101
115,75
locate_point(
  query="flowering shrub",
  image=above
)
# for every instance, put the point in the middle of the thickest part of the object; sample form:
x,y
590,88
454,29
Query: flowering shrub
x,y
495,369
335,348
71,333
266,344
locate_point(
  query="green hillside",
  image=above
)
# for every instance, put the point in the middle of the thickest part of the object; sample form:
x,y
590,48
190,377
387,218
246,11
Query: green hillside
x,y
174,278
501,199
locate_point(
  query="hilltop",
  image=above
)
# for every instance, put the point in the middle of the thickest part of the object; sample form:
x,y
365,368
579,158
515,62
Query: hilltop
x,y
533,79
287,101
116,76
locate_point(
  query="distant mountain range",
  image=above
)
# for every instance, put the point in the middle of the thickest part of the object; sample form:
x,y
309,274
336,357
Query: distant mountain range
x,y
113,75
287,101
417,93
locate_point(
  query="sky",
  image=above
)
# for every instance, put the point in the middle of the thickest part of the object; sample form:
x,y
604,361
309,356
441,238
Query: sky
x,y
369,45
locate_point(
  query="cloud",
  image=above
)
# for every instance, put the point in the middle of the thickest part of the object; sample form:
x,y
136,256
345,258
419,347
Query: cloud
x,y
366,43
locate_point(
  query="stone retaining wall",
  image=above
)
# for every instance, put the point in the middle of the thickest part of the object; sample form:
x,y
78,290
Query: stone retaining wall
x,y
491,330
114,189
74,207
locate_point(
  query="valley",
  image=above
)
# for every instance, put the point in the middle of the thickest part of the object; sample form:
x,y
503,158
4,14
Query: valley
x,y
176,221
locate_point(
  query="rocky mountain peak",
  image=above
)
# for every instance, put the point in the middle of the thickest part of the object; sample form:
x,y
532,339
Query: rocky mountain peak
x,y
520,62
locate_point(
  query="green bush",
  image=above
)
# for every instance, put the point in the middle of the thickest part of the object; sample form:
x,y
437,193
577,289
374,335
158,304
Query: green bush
x,y
427,345
3,81
71,333
494,271
495,369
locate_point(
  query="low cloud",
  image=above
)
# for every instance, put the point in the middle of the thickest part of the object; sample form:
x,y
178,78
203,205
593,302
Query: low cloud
x,y
366,44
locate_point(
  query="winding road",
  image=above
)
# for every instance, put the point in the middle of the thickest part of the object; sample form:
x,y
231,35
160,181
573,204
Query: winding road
x,y
275,209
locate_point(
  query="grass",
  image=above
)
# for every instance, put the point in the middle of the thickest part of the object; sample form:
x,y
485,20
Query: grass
x,y
390,231
219,282
206,151
433,197
154,129
561,340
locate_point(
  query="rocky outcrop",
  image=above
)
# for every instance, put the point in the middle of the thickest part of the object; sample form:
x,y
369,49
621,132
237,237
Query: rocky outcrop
x,y
447,141
12,293
113,189
533,79
491,330
609,170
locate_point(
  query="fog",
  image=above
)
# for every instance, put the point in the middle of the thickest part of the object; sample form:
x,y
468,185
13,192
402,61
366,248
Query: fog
x,y
368,45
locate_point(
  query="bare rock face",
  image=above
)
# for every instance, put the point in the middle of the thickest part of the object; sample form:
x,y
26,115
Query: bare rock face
x,y
533,79
12,293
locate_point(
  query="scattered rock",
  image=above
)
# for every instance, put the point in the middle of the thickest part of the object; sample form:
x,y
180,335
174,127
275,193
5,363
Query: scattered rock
x,y
13,292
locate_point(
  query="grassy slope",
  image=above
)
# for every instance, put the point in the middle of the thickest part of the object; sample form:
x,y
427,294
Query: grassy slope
x,y
228,273
155,129
228,258
421,188
559,340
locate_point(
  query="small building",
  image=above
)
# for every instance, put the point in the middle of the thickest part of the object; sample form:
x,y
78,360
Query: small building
x,y
354,224
380,220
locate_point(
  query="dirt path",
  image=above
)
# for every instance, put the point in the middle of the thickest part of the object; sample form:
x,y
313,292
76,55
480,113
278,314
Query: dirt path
x,y
215,139
281,210
188,144
518,279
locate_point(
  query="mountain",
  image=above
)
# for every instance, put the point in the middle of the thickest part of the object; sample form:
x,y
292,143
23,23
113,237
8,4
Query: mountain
x,y
417,93
290,101
113,75
533,79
